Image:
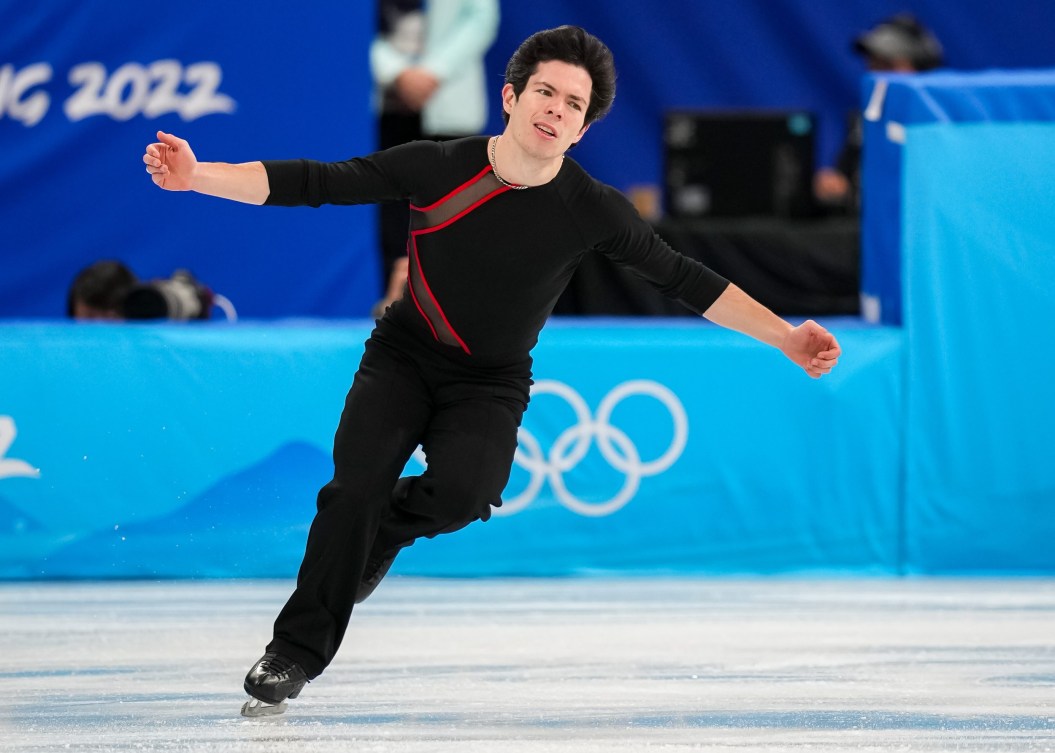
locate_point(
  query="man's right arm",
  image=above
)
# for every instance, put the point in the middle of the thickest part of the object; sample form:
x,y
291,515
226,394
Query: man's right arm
x,y
173,166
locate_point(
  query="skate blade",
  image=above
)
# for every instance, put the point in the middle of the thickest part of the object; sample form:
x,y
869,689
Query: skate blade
x,y
256,707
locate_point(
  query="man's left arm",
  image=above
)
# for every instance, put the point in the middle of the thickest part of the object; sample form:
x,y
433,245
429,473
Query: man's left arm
x,y
809,345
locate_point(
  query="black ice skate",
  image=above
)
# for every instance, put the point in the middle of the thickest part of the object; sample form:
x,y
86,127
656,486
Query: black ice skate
x,y
270,682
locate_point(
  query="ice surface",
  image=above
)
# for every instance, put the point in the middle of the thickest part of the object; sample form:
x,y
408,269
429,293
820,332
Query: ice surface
x,y
540,666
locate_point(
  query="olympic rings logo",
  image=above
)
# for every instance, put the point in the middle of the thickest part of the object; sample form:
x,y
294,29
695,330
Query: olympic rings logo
x,y
573,444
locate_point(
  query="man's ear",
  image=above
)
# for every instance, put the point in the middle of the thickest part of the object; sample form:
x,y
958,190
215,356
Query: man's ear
x,y
509,98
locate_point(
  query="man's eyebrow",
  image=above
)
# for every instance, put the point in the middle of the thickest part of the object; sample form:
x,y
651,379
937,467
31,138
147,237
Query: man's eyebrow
x,y
551,86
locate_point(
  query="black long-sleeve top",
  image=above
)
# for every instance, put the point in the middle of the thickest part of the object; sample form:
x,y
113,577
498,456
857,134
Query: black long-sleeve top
x,y
488,263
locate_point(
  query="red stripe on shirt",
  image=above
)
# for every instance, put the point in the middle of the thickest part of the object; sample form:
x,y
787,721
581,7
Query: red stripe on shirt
x,y
457,190
425,283
462,213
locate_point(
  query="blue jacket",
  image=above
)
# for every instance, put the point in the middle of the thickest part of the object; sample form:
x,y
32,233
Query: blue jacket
x,y
458,34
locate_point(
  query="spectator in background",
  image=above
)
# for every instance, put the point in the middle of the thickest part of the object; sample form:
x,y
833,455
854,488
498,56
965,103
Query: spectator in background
x,y
109,291
900,44
427,62
98,292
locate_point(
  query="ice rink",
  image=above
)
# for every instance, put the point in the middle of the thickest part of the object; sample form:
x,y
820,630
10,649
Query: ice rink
x,y
537,666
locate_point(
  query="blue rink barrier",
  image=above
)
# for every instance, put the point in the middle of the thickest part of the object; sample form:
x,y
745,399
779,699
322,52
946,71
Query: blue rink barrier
x,y
959,245
170,450
979,262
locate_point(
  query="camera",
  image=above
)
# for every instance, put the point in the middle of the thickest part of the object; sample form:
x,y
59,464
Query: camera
x,y
181,297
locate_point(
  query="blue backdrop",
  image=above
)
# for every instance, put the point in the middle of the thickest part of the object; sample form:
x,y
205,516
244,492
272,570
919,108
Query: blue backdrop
x,y
85,86
758,54
294,82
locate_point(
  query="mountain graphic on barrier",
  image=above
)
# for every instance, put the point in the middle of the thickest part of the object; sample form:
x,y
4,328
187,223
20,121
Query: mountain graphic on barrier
x,y
14,522
251,524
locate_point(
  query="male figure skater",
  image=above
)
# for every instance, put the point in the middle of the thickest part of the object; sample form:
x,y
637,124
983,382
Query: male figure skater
x,y
498,226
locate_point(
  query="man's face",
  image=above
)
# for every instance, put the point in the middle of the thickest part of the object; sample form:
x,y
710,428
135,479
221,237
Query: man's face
x,y
87,313
897,65
550,113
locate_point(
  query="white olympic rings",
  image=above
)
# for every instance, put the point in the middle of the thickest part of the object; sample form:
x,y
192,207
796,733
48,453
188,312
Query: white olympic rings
x,y
572,445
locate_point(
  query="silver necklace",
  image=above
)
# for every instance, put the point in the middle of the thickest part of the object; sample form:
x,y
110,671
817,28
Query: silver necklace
x,y
494,169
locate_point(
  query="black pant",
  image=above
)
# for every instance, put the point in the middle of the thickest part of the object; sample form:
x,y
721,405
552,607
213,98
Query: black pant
x,y
404,394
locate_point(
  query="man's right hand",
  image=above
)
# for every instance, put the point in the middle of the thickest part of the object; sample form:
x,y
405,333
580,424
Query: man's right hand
x,y
171,163
173,166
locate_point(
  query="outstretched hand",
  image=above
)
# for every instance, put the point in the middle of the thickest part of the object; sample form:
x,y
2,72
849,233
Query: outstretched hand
x,y
812,347
171,163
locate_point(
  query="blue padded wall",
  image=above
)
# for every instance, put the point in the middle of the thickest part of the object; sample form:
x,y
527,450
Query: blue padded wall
x,y
196,451
959,246
979,260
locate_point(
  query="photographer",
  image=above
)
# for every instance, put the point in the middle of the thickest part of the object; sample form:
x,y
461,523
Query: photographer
x,y
899,44
109,291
